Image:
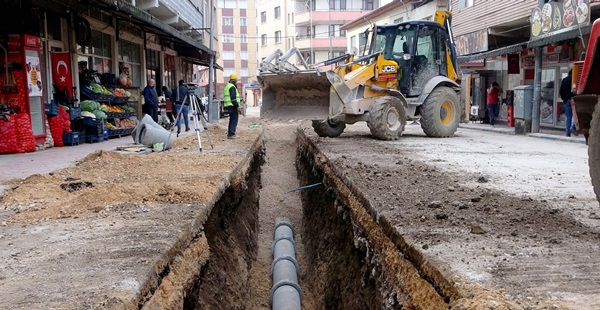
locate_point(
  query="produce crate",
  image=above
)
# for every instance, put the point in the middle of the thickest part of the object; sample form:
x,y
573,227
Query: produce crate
x,y
119,115
51,109
95,96
74,112
71,138
105,134
120,100
93,125
93,138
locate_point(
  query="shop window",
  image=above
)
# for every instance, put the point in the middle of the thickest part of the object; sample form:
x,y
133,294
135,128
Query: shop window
x,y
130,60
169,71
97,56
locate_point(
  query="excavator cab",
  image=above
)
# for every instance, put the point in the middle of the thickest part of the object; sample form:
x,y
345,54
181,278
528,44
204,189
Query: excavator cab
x,y
419,49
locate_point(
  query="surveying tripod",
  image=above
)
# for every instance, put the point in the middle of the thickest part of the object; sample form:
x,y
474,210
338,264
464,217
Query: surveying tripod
x,y
197,116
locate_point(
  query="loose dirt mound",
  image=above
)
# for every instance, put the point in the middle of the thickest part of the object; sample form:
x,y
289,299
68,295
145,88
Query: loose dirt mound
x,y
180,175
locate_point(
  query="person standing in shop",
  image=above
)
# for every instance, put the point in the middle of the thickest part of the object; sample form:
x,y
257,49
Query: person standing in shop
x,y
566,94
493,99
182,103
151,100
231,102
168,103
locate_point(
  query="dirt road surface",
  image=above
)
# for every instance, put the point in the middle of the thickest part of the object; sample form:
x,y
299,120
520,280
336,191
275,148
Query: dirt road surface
x,y
513,214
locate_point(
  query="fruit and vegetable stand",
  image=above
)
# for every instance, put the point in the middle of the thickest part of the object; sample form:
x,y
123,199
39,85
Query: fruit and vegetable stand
x,y
111,106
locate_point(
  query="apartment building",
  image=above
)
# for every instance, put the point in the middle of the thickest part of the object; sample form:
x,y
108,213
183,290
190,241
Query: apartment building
x,y
237,45
496,41
312,26
391,13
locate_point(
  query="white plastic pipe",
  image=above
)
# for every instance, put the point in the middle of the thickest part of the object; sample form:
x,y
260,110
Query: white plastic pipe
x,y
285,293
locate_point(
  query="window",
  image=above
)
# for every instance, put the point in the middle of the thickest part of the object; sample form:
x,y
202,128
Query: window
x,y
227,72
228,55
244,55
227,21
243,38
277,36
334,31
462,4
228,38
243,4
98,55
337,5
398,20
368,4
244,72
352,42
263,17
277,12
263,39
310,33
243,21
130,58
227,4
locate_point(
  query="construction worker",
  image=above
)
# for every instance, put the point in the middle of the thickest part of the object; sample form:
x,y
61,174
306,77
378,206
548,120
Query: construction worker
x,y
232,101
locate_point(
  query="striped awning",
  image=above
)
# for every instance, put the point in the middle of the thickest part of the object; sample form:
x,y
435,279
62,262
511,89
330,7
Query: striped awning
x,y
558,37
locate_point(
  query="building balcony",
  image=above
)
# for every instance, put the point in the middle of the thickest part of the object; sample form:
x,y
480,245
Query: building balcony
x,y
321,43
326,17
181,14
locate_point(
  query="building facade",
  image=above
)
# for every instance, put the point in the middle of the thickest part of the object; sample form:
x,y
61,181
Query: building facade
x,y
391,13
312,26
237,46
496,42
104,42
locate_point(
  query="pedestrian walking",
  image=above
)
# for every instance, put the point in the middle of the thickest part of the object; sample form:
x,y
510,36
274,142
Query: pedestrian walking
x,y
232,100
493,99
182,105
150,100
566,94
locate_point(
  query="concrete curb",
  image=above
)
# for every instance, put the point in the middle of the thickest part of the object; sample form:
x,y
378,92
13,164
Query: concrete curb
x,y
511,131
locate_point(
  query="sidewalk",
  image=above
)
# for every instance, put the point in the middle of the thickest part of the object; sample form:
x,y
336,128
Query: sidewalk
x,y
544,133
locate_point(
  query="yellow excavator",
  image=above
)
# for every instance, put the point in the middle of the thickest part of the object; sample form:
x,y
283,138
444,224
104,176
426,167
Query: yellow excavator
x,y
409,72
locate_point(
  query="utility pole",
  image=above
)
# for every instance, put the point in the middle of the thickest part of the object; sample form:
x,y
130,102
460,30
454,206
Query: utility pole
x,y
213,106
537,87
331,33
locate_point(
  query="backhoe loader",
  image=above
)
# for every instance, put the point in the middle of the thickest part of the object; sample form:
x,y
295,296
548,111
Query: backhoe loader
x,y
408,73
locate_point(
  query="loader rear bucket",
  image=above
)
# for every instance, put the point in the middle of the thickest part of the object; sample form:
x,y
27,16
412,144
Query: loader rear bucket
x,y
295,96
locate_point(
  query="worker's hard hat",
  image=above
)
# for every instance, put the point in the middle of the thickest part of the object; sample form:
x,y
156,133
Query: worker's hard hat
x,y
233,76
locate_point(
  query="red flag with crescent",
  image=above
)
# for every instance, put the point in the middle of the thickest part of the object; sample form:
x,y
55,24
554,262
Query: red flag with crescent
x,y
61,71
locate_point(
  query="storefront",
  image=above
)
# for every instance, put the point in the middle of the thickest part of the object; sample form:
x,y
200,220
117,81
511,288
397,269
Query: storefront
x,y
98,53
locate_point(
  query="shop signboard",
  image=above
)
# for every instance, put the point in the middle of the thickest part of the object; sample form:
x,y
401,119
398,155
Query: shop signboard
x,y
470,43
556,17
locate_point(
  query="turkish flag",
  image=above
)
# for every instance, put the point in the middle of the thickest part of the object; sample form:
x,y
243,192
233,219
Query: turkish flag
x,y
61,72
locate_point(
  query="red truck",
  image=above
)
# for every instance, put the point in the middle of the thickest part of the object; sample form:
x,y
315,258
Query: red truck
x,y
586,84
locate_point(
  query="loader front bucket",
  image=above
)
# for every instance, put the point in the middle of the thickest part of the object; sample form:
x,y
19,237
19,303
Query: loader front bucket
x,y
295,96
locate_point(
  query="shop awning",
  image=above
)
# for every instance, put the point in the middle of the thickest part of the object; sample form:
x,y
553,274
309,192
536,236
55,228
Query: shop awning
x,y
497,52
558,37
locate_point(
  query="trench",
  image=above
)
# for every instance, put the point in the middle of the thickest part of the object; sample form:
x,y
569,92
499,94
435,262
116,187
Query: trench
x,y
347,260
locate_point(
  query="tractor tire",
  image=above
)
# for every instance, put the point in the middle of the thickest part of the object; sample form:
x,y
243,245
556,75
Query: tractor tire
x,y
387,118
328,128
594,150
440,113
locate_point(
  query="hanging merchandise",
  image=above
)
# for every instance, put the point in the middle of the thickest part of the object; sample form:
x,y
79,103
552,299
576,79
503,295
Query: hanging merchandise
x,y
49,141
8,143
24,133
66,119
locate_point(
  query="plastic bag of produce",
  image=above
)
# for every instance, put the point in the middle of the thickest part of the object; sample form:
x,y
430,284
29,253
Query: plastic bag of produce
x,y
56,129
25,138
8,143
66,119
